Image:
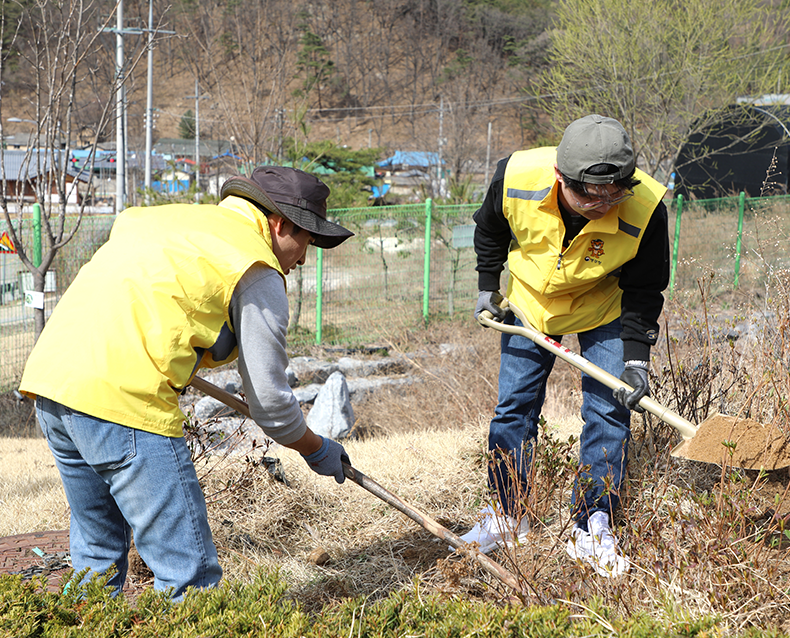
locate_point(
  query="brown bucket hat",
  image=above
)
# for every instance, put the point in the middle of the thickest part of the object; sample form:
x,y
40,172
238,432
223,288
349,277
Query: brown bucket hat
x,y
293,194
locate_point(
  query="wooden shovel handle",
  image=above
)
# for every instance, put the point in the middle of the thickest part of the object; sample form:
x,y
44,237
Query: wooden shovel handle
x,y
425,521
686,428
223,396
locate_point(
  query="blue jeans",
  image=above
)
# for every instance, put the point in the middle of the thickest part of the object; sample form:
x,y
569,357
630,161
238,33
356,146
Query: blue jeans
x,y
119,480
524,370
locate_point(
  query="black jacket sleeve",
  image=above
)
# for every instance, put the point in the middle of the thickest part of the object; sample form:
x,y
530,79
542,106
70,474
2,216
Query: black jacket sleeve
x,y
642,281
492,233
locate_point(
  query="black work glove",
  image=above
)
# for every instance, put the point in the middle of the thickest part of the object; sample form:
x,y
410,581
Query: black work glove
x,y
328,459
635,375
490,300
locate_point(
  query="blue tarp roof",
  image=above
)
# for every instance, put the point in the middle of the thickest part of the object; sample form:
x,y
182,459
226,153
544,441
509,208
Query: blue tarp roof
x,y
316,168
411,158
227,153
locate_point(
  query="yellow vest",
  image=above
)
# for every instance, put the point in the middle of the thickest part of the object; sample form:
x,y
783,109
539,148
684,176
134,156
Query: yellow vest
x,y
127,335
576,289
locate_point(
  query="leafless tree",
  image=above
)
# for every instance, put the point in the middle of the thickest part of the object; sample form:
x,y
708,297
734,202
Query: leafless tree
x,y
392,62
243,54
667,71
59,51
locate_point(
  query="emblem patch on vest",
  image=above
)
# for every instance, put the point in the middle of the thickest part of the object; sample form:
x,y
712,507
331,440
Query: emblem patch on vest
x,y
596,248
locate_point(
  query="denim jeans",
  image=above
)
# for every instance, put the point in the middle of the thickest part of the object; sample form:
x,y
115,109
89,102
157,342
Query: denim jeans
x,y
524,370
119,480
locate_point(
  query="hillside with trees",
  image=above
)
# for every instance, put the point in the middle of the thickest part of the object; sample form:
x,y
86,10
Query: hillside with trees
x,y
393,74
471,80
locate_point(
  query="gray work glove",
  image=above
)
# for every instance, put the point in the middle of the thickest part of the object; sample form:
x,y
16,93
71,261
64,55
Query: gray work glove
x,y
328,459
635,375
490,300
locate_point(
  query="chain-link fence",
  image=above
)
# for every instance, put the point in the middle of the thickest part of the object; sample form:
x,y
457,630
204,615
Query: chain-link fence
x,y
404,264
414,263
16,318
736,245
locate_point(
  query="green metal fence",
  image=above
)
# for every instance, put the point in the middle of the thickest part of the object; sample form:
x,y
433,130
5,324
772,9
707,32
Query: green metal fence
x,y
410,264
737,246
404,264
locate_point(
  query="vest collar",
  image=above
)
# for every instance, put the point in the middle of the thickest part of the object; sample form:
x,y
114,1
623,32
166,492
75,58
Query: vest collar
x,y
251,212
256,217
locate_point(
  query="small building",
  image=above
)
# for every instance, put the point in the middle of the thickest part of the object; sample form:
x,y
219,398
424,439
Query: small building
x,y
176,147
409,172
174,179
24,169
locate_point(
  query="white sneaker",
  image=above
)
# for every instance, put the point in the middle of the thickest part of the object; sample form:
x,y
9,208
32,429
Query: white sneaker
x,y
496,531
598,547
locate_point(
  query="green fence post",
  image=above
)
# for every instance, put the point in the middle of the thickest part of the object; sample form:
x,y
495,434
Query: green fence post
x,y
741,207
36,234
674,264
319,294
427,268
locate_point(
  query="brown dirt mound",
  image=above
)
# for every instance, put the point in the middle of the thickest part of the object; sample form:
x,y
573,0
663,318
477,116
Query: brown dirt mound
x,y
756,445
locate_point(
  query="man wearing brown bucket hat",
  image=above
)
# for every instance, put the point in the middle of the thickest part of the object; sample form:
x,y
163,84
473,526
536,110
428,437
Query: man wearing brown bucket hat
x,y
584,234
176,288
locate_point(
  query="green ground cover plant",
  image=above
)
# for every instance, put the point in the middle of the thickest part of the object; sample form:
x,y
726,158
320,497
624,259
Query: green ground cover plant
x,y
264,608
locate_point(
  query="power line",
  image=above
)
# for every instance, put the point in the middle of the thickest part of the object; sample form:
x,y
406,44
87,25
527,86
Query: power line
x,y
395,109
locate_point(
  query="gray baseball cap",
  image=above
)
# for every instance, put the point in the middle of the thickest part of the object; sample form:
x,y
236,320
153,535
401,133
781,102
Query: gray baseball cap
x,y
592,140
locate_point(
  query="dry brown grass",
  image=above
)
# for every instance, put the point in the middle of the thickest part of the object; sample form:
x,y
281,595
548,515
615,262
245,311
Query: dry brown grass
x,y
31,494
373,549
702,540
458,366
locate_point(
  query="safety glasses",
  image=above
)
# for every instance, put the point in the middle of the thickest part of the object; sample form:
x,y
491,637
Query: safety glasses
x,y
596,201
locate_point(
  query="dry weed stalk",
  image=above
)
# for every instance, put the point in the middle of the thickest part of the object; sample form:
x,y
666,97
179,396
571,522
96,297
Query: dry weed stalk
x,y
456,364
701,539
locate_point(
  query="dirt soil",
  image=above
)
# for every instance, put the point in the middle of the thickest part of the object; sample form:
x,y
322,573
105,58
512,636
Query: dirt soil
x,y
756,445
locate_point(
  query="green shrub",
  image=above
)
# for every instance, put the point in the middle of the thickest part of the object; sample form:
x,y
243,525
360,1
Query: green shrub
x,y
263,608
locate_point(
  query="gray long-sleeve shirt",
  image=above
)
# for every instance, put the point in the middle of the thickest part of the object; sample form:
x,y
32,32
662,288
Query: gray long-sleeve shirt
x,y
259,314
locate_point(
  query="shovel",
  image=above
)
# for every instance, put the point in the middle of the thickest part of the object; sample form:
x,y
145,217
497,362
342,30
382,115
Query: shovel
x,y
719,439
425,521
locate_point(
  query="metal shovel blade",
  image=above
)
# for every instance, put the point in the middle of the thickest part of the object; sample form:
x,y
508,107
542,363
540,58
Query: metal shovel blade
x,y
736,442
741,443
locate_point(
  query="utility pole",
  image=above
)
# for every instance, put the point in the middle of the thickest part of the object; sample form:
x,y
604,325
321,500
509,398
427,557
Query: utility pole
x,y
149,103
488,154
441,141
120,95
197,97
279,113
197,136
120,103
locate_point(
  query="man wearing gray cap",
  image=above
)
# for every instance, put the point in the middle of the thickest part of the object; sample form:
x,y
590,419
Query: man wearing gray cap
x,y
584,234
176,288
